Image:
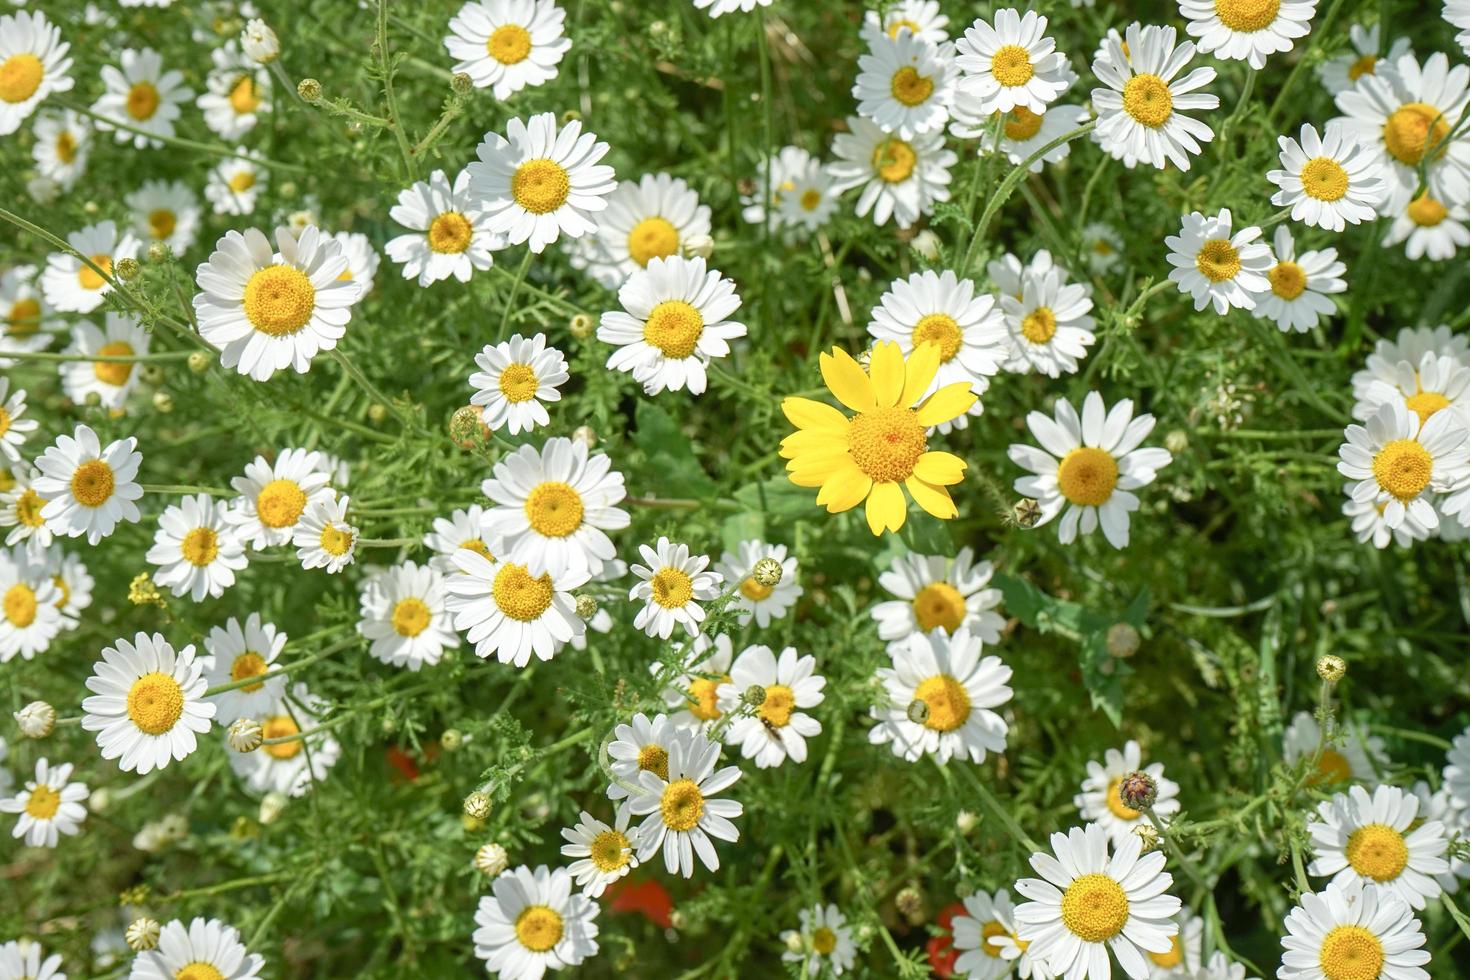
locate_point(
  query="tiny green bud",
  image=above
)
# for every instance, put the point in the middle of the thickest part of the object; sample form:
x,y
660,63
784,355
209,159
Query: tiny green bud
x,y
467,427
199,362
127,269
1138,791
754,695
586,606
377,412
582,326
157,252
918,711
460,83
477,805
309,89
1027,512
767,572
1331,668
451,740
1122,640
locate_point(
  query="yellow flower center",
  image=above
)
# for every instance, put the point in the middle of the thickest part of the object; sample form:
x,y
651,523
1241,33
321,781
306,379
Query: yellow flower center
x,y
243,97
66,146
909,87
939,604
1021,124
1247,16
450,233
200,546
1287,280
947,700
279,300
1426,403
142,101
655,759
115,373
518,383
241,181
1011,66
199,970
652,238
1377,851
20,605
281,726
4,421
43,802
520,596
509,44
1351,953
1172,958
24,317
941,330
20,76
824,941
410,617
894,160
1365,65
609,851
63,590
28,508
1095,908
674,327
554,509
1324,179
1087,476
280,503
1403,468
92,483
155,703
1115,802
1147,100
538,928
810,198
1412,129
899,23
754,591
337,541
540,186
248,664
886,443
88,277
992,930
682,805
672,587
780,702
1218,260
478,547
1040,325
1426,212
1332,767
704,699
161,223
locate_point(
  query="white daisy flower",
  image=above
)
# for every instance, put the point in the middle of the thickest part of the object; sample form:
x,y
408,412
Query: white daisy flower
x,y
1351,755
922,18
1409,344
1457,770
362,260
22,315
671,587
508,45
1429,227
111,381
291,768
1049,325
235,183
906,85
693,694
147,703
323,538
70,576
237,92
1220,968
554,507
936,592
29,617
449,234
1011,63
1352,930
824,940
603,853
1141,108
763,603
1457,12
1186,949
652,218
940,692
72,286
778,729
50,805
539,183
88,489
1008,273
508,612
461,529
979,932
1247,30
1090,902
20,510
1100,803
405,618
1102,247
209,948
22,959
801,192
1299,285
1342,71
63,143
902,179
14,430
1023,133
1087,468
239,652
274,496
674,321
717,8
533,923
33,65
641,745
1432,384
1216,266
167,212
1395,460
1375,839
1369,525
514,379
143,96
1329,181
197,552
682,811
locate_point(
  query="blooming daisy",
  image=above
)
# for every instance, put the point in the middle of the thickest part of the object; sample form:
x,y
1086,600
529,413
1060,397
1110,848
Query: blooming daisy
x,y
1375,839
671,587
167,212
940,692
1102,247
274,496
778,729
884,445
14,430
1011,63
22,314
74,583
23,959
682,811
50,805
642,745
1141,108
800,191
1185,951
87,488
1436,382
652,218
1087,468
237,653
449,234
533,923
404,616
902,179
1397,461
1409,344
603,853
554,507
674,320
509,612
905,84
1023,133
1100,803
196,550
537,184
508,45
979,931
1429,227
29,617
922,18
142,96
693,694
1299,285
936,592
1366,519
110,381
1216,266
716,8
1090,902
1049,325
1341,72
1008,273
20,510
237,92
461,529
515,377
202,950
1247,30
33,64
824,940
235,183
147,703
323,538
763,603
72,286
362,260
1329,181
291,768
63,143
1351,755
269,310
1350,929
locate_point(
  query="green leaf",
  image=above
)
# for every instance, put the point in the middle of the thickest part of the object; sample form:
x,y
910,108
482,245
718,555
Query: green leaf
x,y
778,497
741,527
670,454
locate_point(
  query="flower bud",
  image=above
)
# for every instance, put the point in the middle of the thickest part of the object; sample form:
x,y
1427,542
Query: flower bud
x,y
698,246
965,821
677,919
1147,833
1027,512
451,740
142,934
1122,640
460,83
794,942
586,606
570,116
100,799
477,805
377,412
260,42
150,374
127,269
582,326
163,402
157,252
586,435
491,859
271,806
198,362
1331,668
1177,441
918,711
36,719
309,89
467,427
1138,791
755,695
245,735
926,245
767,572
910,903
43,190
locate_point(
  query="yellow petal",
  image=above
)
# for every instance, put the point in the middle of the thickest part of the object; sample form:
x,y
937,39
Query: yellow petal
x,y
807,414
941,469
886,508
933,499
886,369
812,441
947,403
846,379
919,373
813,470
845,490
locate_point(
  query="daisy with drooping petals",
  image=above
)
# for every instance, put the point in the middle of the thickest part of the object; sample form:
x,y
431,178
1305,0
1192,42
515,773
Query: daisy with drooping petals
x,y
652,218
405,617
1217,266
237,92
1102,246
33,65
63,143
554,507
603,853
763,603
26,960
88,489
70,576
717,8
674,320
1350,755
1087,468
906,85
824,940
1366,519
142,96
978,932
147,703
1457,770
1375,839
508,45
1329,181
509,612
203,950
237,653
1429,227
22,314
941,693
323,538
1087,902
49,806
166,212
20,510
514,379
693,695
196,550
935,592
779,729
362,259
274,496
461,529
1300,285
533,923
1247,30
800,191
682,811
1395,460
884,446
1352,930
111,381
1100,802
1049,325
1342,71
1011,63
902,179
921,18
641,745
1409,344
449,234
14,430
671,587
1141,108
29,617
269,310
235,183
71,285
538,183
292,767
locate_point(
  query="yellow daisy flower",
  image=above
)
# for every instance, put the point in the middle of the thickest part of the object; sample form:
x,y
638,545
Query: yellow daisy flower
x,y
885,443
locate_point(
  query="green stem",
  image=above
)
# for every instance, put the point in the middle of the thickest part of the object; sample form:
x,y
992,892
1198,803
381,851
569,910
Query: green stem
x,y
510,300
281,671
215,149
182,488
386,63
368,387
169,355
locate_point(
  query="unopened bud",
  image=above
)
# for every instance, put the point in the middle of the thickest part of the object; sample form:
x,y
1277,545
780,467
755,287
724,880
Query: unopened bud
x,y
755,695
36,720
460,83
142,934
157,252
794,942
918,711
926,245
1177,441
910,902
677,919
271,806
451,740
163,402
965,821
309,89
467,427
698,246
1331,668
1026,511
1138,791
377,412
1148,834
198,362
570,116
127,269
767,572
586,435
245,735
1123,640
477,805
582,326
491,859
586,606
260,42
